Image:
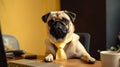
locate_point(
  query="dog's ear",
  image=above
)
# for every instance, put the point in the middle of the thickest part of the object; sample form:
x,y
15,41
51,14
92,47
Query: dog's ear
x,y
45,17
71,15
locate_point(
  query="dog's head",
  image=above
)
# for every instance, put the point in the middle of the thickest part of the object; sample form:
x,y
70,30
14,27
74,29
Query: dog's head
x,y
59,23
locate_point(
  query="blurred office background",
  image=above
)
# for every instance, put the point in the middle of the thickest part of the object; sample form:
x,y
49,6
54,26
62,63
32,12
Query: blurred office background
x,y
22,18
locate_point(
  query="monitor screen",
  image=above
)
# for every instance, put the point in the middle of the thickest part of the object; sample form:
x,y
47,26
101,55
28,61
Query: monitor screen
x,y
3,60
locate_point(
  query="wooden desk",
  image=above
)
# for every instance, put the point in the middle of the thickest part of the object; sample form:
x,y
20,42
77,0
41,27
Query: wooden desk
x,y
76,63
73,63
69,62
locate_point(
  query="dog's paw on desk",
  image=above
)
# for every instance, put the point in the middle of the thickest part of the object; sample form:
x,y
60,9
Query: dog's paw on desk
x,y
92,61
88,60
49,58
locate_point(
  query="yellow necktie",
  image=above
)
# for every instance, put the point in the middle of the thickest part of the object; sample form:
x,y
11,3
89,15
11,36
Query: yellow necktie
x,y
60,54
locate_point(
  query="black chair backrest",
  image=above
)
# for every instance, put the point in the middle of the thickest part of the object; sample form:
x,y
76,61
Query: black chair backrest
x,y
85,40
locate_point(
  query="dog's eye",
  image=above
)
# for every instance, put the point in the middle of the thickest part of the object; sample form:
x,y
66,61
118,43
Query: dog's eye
x,y
50,22
65,20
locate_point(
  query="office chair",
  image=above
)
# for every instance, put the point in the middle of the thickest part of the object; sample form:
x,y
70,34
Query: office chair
x,y
11,42
85,40
11,46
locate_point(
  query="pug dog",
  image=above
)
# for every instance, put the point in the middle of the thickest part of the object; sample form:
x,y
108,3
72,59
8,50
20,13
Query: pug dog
x,y
60,28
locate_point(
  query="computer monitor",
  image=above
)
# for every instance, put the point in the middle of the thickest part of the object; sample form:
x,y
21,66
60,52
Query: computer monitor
x,y
3,60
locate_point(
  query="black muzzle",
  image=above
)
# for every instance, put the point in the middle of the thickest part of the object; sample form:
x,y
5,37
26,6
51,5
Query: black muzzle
x,y
58,30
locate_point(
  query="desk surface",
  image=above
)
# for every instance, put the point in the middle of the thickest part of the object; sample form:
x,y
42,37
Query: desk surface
x,y
76,63
70,62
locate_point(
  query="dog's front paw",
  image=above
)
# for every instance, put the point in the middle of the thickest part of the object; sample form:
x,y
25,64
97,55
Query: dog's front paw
x,y
49,58
91,60
88,59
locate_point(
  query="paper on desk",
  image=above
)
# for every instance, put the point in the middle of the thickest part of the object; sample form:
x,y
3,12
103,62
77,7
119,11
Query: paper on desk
x,y
31,63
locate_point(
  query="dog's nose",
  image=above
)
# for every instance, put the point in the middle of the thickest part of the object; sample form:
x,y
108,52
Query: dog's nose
x,y
58,25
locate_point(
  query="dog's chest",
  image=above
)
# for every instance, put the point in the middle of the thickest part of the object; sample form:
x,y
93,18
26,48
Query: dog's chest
x,y
69,49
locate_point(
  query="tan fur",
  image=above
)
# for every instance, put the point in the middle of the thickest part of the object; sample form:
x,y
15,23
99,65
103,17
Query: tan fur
x,y
75,49
72,49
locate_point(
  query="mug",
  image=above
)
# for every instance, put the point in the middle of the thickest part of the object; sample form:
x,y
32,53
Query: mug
x,y
110,59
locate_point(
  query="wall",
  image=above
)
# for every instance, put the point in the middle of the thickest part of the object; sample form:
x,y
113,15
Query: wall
x,y
22,19
91,18
113,21
0,9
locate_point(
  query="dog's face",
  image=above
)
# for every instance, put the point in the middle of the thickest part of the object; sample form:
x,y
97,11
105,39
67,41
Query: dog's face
x,y
59,23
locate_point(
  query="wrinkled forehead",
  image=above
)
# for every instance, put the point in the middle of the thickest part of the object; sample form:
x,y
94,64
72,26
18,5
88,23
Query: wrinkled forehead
x,y
59,14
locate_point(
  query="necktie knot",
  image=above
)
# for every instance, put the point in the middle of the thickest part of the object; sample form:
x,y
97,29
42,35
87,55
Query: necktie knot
x,y
60,54
60,47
